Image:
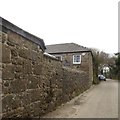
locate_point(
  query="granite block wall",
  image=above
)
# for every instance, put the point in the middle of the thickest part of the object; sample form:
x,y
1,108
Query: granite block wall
x,y
33,83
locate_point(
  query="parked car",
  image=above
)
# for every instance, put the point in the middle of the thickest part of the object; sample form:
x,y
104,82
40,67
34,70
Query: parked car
x,y
101,77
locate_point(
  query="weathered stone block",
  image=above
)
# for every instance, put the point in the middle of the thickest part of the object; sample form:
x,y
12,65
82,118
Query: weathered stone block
x,y
27,67
14,39
6,54
34,82
24,97
8,72
18,68
37,69
7,102
30,45
20,75
10,43
0,75
0,52
3,37
18,85
14,53
39,108
0,36
24,53
30,96
5,90
16,113
17,61
36,95
33,55
6,83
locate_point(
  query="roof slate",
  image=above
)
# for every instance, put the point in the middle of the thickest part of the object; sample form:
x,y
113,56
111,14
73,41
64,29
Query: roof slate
x,y
66,47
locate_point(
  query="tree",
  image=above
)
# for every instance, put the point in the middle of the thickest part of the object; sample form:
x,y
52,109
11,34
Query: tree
x,y
114,65
117,63
95,53
100,61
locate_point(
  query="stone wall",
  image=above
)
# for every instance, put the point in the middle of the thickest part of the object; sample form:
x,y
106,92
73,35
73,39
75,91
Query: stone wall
x,y
74,83
86,62
33,83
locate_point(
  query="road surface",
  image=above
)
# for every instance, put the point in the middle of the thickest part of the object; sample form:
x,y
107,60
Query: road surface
x,y
100,101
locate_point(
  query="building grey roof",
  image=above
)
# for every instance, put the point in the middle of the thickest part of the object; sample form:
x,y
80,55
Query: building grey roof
x,y
4,25
66,48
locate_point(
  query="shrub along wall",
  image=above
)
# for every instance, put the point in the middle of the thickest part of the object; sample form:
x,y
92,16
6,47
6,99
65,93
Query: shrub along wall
x,y
33,83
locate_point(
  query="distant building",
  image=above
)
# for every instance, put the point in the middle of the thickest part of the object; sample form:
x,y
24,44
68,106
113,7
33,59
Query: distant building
x,y
73,55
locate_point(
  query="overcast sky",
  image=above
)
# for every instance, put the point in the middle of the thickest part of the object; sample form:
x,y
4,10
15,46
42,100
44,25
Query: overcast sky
x,y
90,23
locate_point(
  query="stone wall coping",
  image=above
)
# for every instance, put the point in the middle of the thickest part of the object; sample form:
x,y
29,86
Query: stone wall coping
x,y
51,56
8,25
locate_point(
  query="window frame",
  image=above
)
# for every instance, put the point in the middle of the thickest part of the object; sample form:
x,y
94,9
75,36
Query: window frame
x,y
75,62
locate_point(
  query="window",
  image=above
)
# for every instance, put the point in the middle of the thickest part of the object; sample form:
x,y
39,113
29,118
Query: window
x,y
76,59
59,57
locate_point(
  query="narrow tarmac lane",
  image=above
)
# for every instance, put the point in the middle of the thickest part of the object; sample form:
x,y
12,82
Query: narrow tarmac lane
x,y
100,101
